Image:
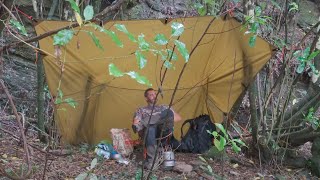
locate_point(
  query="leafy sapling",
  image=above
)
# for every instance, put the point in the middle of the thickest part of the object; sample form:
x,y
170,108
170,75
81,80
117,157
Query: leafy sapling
x,y
221,140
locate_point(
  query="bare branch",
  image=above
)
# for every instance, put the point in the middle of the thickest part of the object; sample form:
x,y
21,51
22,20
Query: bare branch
x,y
22,135
98,17
8,10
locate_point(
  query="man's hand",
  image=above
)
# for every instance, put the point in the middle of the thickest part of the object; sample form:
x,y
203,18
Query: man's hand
x,y
136,125
135,121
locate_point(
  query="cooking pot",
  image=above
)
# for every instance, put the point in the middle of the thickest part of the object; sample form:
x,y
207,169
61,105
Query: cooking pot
x,y
168,157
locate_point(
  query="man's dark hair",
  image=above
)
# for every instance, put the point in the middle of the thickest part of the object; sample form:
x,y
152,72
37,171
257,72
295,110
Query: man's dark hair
x,y
147,90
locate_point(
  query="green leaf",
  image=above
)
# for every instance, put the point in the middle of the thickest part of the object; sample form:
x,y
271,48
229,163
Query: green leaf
x,y
114,71
161,39
300,68
313,55
141,60
82,176
60,93
177,29
168,64
313,68
182,49
235,147
95,40
258,11
202,11
254,27
202,159
143,45
58,101
63,37
200,8
174,55
306,53
93,163
163,57
74,6
71,102
223,142
111,34
88,13
140,79
138,174
239,142
19,26
216,143
114,37
261,20
263,5
215,133
221,128
293,7
252,40
302,59
122,28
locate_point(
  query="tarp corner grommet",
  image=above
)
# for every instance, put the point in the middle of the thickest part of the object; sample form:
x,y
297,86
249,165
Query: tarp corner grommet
x,y
166,20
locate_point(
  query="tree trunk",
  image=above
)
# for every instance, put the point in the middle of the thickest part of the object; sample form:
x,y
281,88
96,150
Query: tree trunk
x,y
96,6
53,9
253,111
40,99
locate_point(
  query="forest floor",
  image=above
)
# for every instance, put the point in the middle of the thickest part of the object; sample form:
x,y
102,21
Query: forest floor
x,y
78,160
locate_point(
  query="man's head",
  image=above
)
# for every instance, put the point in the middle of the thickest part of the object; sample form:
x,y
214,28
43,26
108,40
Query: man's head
x,y
150,95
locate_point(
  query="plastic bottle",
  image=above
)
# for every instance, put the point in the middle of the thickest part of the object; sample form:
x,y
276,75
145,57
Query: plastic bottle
x,y
103,153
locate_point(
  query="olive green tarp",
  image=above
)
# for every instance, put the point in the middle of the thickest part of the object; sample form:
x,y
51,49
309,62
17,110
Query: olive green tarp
x,y
218,71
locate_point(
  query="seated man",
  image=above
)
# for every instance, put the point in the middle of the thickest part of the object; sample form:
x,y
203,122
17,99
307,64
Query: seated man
x,y
161,115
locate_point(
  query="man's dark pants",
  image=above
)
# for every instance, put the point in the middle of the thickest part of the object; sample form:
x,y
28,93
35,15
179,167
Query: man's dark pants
x,y
154,133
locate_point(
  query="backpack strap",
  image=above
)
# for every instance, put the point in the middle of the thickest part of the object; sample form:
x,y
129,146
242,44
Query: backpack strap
x,y
185,122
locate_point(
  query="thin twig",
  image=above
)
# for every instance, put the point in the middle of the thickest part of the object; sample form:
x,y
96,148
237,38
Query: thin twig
x,y
33,146
25,145
177,84
98,17
8,10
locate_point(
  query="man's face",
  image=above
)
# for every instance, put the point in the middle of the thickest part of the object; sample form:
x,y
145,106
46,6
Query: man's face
x,y
151,96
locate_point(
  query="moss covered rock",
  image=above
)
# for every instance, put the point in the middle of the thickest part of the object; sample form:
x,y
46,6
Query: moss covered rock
x,y
309,14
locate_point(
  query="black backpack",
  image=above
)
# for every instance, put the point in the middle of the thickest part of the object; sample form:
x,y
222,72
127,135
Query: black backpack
x,y
197,139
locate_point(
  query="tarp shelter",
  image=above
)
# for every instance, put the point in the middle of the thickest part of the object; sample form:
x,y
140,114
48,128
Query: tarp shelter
x,y
218,71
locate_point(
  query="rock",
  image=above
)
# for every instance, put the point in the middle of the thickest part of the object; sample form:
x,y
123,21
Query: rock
x,y
297,162
234,173
182,167
196,163
308,15
158,9
315,165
